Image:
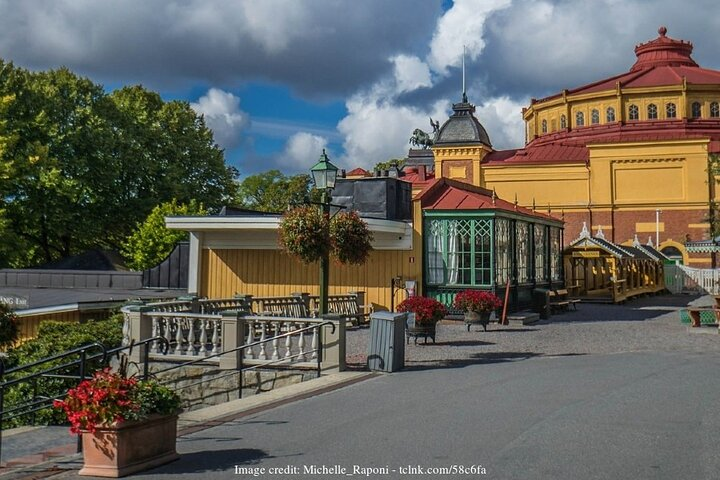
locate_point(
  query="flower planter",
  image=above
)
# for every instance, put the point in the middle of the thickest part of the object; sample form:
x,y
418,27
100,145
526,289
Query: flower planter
x,y
424,331
477,318
129,447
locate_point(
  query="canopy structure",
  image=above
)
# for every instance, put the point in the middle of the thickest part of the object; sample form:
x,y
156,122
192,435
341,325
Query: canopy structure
x,y
603,271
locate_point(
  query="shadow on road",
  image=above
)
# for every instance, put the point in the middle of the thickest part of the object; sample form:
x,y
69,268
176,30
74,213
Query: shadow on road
x,y
214,461
476,359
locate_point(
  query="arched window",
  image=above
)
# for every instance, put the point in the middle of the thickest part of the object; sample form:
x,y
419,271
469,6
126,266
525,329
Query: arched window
x,y
670,111
715,110
696,110
652,111
594,117
633,112
579,119
563,122
610,115
544,126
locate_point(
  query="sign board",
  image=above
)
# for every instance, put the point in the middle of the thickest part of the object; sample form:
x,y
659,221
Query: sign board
x,y
14,302
586,254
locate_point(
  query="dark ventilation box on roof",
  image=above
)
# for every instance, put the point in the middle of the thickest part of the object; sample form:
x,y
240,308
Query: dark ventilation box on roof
x,y
385,198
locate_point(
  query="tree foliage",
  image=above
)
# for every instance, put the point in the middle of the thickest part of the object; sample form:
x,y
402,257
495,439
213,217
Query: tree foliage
x,y
79,167
152,241
388,164
272,191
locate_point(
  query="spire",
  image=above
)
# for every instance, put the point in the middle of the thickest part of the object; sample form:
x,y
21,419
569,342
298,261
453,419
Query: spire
x,y
533,204
516,201
494,196
464,94
650,242
636,242
600,233
584,233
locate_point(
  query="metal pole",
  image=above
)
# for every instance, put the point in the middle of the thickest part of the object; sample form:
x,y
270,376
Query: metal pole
x,y
324,261
657,228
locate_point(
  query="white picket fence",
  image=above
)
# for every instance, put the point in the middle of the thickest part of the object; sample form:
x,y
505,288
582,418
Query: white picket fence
x,y
681,278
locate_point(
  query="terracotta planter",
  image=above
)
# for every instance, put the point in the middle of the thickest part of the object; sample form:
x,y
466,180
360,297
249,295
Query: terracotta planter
x,y
130,447
477,318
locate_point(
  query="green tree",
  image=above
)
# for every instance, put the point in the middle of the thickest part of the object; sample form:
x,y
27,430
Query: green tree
x,y
273,191
152,241
393,162
79,168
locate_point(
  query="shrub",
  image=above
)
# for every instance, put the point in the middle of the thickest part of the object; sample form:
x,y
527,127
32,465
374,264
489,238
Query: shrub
x,y
477,301
428,311
53,338
8,326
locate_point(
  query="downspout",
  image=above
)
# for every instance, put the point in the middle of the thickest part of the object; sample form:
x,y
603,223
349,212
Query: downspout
x,y
589,193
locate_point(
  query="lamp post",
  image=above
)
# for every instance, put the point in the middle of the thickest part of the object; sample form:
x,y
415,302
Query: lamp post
x,y
324,174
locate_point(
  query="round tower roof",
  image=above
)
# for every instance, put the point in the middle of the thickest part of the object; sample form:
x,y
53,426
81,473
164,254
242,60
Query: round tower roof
x,y
663,51
462,128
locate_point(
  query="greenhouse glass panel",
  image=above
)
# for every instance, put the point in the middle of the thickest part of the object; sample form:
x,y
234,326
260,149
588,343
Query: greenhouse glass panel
x,y
522,251
503,259
540,249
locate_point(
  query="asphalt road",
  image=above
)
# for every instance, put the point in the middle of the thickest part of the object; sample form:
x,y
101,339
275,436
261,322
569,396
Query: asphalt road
x,y
642,415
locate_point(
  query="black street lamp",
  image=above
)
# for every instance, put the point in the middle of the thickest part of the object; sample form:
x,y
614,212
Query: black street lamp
x,y
324,175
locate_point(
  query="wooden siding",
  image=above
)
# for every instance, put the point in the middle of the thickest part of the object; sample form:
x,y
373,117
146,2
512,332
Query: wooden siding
x,y
273,273
30,325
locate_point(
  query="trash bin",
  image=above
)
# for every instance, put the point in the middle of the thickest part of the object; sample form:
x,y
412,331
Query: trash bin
x,y
541,302
386,347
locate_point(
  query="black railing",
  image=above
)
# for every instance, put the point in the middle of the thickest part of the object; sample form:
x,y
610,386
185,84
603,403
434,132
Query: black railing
x,y
240,350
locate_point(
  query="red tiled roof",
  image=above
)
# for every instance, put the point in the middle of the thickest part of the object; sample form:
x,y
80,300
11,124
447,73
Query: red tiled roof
x,y
356,172
446,194
660,62
550,153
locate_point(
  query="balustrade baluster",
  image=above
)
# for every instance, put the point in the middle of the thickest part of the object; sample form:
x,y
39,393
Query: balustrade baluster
x,y
191,336
250,339
275,353
315,343
263,354
288,342
301,344
167,334
155,347
203,337
126,330
215,336
178,336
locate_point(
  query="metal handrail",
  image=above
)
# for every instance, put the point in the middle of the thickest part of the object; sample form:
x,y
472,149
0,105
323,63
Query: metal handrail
x,y
239,349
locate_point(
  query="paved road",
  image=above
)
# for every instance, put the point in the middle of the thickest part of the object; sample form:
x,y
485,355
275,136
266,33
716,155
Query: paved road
x,y
622,416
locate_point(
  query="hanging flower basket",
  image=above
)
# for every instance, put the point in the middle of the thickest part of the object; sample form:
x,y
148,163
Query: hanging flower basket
x,y
307,234
350,238
304,233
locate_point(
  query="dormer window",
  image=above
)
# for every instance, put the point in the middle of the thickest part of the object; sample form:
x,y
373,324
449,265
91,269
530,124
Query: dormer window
x,y
594,117
633,112
563,122
696,110
610,115
670,110
652,112
544,126
714,110
579,119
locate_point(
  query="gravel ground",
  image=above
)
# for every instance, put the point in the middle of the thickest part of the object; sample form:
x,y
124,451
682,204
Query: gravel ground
x,y
645,324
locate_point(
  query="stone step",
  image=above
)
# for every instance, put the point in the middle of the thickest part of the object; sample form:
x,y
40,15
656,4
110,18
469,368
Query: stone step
x,y
522,318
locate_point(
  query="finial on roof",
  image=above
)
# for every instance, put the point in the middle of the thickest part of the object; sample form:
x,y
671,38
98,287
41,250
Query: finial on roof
x,y
464,96
533,204
650,242
562,213
516,201
584,233
636,242
494,196
662,31
600,233
549,211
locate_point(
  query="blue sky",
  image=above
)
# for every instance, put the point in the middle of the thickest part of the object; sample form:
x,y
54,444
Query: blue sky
x,y
278,80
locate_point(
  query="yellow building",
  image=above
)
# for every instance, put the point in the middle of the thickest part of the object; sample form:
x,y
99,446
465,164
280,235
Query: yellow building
x,y
629,154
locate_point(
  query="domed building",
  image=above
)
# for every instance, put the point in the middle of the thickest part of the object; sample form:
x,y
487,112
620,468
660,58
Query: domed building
x,y
630,154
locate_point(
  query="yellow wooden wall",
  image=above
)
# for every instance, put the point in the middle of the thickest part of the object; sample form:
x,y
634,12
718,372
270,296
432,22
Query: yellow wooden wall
x,y
29,326
273,273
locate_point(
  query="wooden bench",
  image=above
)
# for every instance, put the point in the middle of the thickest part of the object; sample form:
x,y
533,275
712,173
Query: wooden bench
x,y
294,306
557,303
346,306
564,296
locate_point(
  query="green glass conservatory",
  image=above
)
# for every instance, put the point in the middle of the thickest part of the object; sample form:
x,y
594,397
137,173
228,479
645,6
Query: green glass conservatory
x,y
474,240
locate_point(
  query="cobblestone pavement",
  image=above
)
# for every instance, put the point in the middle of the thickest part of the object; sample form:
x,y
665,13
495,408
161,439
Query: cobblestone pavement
x,y
644,324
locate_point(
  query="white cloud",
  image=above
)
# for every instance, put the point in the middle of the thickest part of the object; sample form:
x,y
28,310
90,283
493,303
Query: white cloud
x,y
502,119
302,151
462,24
223,116
411,73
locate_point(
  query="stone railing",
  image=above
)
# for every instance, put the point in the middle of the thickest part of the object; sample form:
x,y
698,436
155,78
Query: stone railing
x,y
197,335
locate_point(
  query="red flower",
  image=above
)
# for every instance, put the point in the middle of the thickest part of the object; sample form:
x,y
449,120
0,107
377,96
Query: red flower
x,y
427,310
477,301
